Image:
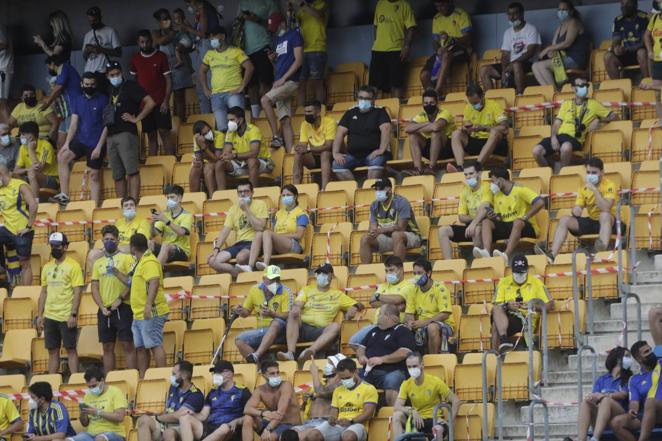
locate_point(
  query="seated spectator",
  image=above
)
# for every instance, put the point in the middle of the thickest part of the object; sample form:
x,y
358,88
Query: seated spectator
x,y
510,217
627,41
36,159
353,405
184,399
223,411
429,134
312,317
422,392
484,129
10,419
175,226
315,142
313,17
383,352
273,408
476,193
67,85
654,48
30,110
599,197
368,131
8,146
248,219
521,42
429,310
208,161
271,302
510,311
46,417
609,397
451,41
103,409
392,224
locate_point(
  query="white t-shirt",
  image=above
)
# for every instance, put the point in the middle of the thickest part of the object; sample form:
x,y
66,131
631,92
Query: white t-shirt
x,y
517,42
108,39
6,55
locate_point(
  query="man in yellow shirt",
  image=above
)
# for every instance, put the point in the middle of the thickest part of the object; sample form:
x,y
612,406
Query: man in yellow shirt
x,y
29,109
315,145
484,129
175,226
36,159
312,319
207,162
576,118
111,294
422,392
313,16
653,43
247,218
429,134
10,419
61,286
394,23
271,301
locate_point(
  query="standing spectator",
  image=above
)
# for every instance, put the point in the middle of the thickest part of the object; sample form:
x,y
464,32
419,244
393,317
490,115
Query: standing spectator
x,y
392,224
394,24
29,110
368,131
152,72
653,43
131,105
208,161
627,41
288,61
103,409
86,137
312,17
8,146
6,71
175,226
67,85
228,83
315,143
521,42
111,294
36,159
46,417
101,45
148,304
61,286
10,419
61,32
452,35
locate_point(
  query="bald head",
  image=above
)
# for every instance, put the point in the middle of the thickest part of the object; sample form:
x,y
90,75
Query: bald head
x,y
389,315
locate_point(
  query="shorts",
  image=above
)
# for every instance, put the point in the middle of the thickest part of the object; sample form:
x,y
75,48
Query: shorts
x,y
446,329
475,145
351,162
309,424
157,120
628,58
238,247
546,143
264,70
65,124
84,436
117,326
459,232
314,66
240,168
446,151
148,334
526,65
308,333
334,433
282,427
515,323
176,254
254,337
123,154
385,242
570,63
387,71
220,104
58,333
282,97
592,226
296,247
5,84
502,230
388,380
81,150
357,339
22,244
52,182
657,70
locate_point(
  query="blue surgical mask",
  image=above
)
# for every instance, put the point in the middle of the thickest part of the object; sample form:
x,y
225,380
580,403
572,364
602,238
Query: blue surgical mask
x,y
275,381
381,195
582,92
562,14
215,43
494,188
287,200
115,81
110,246
592,179
349,383
96,390
129,214
422,280
472,182
515,23
5,140
626,362
478,106
392,278
24,140
174,382
172,204
365,105
323,280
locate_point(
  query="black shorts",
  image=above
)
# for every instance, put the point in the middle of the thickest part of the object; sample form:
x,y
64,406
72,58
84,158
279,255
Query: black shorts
x,y
22,244
81,150
546,143
657,70
475,145
515,323
238,247
446,151
387,71
458,233
628,59
117,326
58,333
592,226
264,70
157,120
176,255
502,230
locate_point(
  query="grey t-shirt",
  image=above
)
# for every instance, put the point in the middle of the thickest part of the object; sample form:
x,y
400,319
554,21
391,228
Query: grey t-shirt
x,y
386,216
255,35
10,153
108,39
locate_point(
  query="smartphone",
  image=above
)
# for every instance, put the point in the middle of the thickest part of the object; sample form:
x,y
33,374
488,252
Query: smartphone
x,y
519,299
153,210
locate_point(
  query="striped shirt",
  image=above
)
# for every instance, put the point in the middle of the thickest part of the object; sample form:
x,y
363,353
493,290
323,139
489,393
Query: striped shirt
x,y
54,420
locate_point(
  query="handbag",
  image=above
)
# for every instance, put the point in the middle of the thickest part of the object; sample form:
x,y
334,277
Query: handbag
x,y
558,68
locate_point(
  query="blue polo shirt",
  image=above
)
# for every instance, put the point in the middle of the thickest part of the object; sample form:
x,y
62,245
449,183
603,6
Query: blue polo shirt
x,y
191,398
70,80
639,386
285,53
90,117
630,30
226,405
54,420
606,384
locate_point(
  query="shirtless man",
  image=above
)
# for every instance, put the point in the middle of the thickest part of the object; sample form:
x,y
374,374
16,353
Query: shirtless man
x,y
281,409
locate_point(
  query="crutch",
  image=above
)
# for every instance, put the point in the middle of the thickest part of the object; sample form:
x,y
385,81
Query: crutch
x,y
219,350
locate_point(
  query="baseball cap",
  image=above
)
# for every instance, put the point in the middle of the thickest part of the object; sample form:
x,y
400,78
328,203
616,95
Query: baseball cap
x,y
272,272
326,268
383,183
94,11
58,238
113,65
335,359
222,365
520,264
274,21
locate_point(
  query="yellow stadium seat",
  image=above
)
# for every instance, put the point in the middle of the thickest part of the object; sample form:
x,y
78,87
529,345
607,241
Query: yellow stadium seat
x,y
530,117
18,313
456,108
216,325
380,429
88,345
152,179
202,251
230,351
417,192
455,265
446,198
523,151
506,94
563,190
166,161
356,281
349,328
151,395
642,149
357,67
547,92
46,214
515,376
100,218
447,361
413,81
536,179
340,86
129,377
645,187
206,308
335,202
87,311
39,355
199,346
623,84
363,197
476,328
647,227
180,175
177,328
407,114
598,69
641,113
174,285
246,375
560,286
561,324
15,350
337,239
611,96
468,387
296,258
76,217
154,373
214,212
459,78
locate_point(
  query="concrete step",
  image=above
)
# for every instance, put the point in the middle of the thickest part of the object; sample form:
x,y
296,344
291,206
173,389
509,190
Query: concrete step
x,y
557,431
557,414
567,377
616,310
615,326
605,342
648,293
564,393
586,361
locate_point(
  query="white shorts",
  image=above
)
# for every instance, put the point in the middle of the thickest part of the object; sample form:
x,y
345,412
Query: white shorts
x,y
334,433
240,168
385,243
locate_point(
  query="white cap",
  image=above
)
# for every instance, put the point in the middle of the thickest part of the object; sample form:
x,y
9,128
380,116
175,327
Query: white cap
x,y
57,237
335,359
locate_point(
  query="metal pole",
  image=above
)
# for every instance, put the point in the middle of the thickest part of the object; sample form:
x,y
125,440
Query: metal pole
x,y
589,292
575,294
531,434
543,332
485,388
580,371
450,421
619,273
633,247
638,300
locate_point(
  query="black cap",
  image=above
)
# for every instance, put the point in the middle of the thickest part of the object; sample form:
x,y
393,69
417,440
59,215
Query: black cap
x,y
222,365
94,11
380,184
113,65
326,268
520,264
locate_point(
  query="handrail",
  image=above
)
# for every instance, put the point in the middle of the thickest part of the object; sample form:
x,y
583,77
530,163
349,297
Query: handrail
x,y
627,296
620,275
543,307
575,294
531,432
450,420
580,370
498,391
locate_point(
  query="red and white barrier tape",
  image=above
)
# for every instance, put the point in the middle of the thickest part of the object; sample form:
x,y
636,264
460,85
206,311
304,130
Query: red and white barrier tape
x,y
328,242
552,104
68,395
179,295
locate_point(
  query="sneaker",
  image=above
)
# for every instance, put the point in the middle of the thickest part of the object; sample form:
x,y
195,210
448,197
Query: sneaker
x,y
305,355
260,265
540,250
277,142
451,168
505,344
253,358
244,268
497,253
285,356
480,252
59,198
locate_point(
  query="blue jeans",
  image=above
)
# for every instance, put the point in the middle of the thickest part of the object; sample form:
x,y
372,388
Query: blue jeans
x,y
254,337
84,436
384,379
351,162
357,338
148,334
220,103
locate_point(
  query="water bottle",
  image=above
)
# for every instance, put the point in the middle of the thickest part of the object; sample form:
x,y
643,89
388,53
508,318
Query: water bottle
x,y
110,266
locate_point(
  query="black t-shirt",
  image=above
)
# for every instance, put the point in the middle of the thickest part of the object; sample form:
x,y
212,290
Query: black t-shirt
x,y
364,135
127,99
380,342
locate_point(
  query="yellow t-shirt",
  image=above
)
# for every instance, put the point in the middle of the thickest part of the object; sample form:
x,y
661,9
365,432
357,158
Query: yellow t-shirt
x,y
444,114
225,68
313,29
60,281
516,204
8,412
147,268
490,115
404,289
44,153
110,287
184,220
242,143
533,288
13,207
238,222
471,200
425,396
655,28
280,302
129,228
350,403
23,113
455,25
425,305
287,222
317,137
219,142
392,19
320,307
586,197
569,111
109,401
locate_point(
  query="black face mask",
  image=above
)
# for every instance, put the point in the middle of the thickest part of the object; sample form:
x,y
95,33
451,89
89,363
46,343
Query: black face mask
x,y
89,91
52,72
96,26
30,101
310,119
430,108
146,50
650,361
57,253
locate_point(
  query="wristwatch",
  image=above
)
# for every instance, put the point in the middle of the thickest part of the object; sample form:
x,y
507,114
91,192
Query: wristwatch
x,y
377,296
168,223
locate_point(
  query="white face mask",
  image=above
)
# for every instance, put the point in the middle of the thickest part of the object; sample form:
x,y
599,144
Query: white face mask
x,y
209,136
5,140
275,381
494,188
349,383
232,126
414,372
246,200
626,363
273,287
519,278
217,380
322,280
32,404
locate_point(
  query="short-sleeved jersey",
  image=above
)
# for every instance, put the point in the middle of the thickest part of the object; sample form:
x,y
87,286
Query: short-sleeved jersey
x,y
191,398
403,288
389,215
606,384
285,57
444,114
320,307
655,392
516,204
129,228
226,405
54,420
60,281
425,396
392,19
471,200
110,287
219,143
630,31
638,386
381,342
455,25
242,143
426,304
225,67
13,208
317,137
109,401
363,129
23,113
655,29
9,414
287,221
44,153
150,72
259,296
507,291
350,402
312,28
185,220
586,197
238,222
490,115
570,112
147,268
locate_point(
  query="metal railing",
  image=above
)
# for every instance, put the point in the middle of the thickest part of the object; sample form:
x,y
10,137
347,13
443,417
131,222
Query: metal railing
x,y
499,398
580,370
449,420
579,338
623,292
543,332
531,435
